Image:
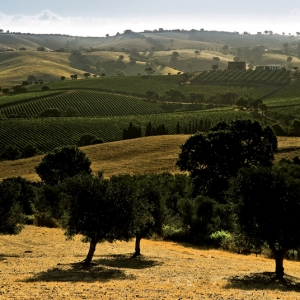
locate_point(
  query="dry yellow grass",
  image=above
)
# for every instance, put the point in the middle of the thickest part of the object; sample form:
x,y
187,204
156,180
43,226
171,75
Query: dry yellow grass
x,y
17,66
40,264
154,154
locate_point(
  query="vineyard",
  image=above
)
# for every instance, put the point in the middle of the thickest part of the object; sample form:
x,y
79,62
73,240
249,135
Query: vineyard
x,y
88,104
49,133
244,77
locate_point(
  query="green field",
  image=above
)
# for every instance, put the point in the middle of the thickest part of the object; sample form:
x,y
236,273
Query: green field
x,y
49,133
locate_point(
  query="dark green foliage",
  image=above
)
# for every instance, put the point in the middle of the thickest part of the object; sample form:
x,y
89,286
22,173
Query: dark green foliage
x,y
268,207
86,139
200,216
11,214
52,201
64,162
27,194
159,130
295,128
11,153
29,151
45,88
214,157
104,213
132,132
175,96
278,130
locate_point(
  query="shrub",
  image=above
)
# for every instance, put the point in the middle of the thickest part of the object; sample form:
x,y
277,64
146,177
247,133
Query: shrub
x,y
45,220
219,237
45,88
97,141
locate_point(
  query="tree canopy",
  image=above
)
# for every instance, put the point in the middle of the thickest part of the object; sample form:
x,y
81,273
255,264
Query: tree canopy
x,y
268,207
63,162
213,157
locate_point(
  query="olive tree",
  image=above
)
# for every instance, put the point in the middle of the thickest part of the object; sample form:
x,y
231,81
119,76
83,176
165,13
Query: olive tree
x,y
267,206
63,162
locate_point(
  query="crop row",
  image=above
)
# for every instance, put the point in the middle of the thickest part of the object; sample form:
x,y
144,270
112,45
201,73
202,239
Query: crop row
x,y
47,134
292,90
278,77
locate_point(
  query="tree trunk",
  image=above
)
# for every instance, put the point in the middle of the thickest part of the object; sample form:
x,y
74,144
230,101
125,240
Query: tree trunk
x,y
91,252
137,246
278,256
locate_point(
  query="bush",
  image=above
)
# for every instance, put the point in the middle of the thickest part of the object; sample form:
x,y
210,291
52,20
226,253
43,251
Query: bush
x,y
219,237
45,88
86,139
45,220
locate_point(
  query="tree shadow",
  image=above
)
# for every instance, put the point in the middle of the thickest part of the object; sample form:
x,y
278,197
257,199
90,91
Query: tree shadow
x,y
264,281
80,273
5,256
127,261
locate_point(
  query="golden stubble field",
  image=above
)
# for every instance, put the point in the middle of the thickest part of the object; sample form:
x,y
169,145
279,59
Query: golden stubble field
x,y
153,154
40,264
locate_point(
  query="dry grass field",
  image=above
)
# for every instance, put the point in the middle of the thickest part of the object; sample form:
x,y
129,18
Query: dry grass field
x,y
18,65
154,154
40,264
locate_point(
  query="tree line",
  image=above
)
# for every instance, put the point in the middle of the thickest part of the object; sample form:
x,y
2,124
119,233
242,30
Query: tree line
x,y
231,187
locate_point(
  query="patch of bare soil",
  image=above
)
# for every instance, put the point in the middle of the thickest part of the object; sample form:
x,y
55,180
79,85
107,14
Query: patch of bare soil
x,y
40,264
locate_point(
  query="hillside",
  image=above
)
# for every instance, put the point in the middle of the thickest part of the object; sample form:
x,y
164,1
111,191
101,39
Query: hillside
x,y
40,264
16,66
154,154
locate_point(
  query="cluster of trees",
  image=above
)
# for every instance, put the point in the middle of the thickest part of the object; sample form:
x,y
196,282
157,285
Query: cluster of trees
x,y
159,130
233,185
13,152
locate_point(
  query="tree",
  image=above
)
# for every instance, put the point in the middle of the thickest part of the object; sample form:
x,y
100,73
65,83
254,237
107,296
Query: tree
x,y
289,59
267,208
225,49
63,162
11,153
62,78
99,209
30,151
216,59
213,157
45,88
215,67
149,209
11,215
87,75
26,197
149,70
197,52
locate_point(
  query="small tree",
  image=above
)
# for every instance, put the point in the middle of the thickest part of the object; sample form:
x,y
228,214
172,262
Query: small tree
x,y
104,213
87,75
11,214
149,70
11,153
62,163
86,139
62,78
268,207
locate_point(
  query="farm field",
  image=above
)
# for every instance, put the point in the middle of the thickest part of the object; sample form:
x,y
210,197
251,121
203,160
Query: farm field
x,y
155,154
49,133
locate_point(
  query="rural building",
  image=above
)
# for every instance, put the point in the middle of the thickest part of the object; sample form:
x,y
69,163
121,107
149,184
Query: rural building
x,y
269,67
236,65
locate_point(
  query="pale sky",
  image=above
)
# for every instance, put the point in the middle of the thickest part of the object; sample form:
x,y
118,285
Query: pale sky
x,y
98,17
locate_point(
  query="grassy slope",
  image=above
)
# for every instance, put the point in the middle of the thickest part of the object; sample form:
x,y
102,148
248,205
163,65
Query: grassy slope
x,y
17,66
145,155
